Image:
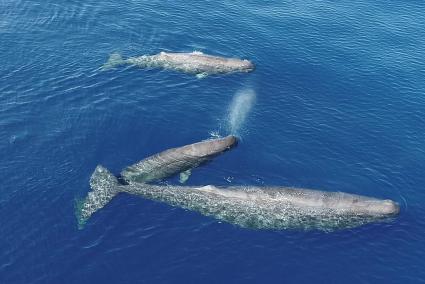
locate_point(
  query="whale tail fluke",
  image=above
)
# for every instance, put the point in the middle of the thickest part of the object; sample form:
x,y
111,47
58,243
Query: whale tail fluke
x,y
115,59
104,186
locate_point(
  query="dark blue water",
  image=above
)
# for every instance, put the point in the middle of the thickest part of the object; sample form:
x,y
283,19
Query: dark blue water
x,y
340,105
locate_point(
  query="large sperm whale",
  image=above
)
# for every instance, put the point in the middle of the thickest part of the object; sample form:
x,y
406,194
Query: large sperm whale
x,y
177,160
248,206
195,62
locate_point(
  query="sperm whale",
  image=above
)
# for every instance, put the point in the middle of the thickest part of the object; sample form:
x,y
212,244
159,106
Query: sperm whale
x,y
195,62
177,160
248,206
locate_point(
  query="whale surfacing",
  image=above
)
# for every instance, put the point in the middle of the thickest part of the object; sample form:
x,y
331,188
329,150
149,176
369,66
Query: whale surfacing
x,y
177,160
195,62
249,206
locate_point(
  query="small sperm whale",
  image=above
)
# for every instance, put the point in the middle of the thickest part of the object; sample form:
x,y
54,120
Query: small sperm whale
x,y
195,62
248,206
177,160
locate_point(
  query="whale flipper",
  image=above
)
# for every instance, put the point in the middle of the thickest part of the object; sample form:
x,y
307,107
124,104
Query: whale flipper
x,y
201,75
104,187
184,176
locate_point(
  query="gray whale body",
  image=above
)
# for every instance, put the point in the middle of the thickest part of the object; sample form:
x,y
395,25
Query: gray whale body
x,y
249,206
193,63
177,160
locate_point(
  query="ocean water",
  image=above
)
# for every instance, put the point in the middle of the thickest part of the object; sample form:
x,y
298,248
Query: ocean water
x,y
337,103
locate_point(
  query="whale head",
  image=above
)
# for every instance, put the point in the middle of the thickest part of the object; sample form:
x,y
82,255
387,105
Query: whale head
x,y
210,147
388,207
247,65
376,207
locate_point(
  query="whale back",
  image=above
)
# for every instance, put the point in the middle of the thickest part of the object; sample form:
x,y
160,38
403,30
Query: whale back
x,y
248,206
176,160
273,207
198,62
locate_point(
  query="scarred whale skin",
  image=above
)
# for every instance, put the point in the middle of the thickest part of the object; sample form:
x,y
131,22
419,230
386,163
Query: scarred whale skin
x,y
176,160
194,63
249,206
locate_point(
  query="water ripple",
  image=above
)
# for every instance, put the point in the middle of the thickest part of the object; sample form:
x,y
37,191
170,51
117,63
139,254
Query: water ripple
x,y
339,106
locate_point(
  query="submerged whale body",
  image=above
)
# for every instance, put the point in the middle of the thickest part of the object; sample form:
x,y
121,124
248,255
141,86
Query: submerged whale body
x,y
193,63
248,206
177,160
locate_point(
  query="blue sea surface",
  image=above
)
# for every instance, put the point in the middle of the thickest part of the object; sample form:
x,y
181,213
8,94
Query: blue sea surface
x,y
340,106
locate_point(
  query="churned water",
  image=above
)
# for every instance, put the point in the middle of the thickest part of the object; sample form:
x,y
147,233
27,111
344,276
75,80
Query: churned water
x,y
339,105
